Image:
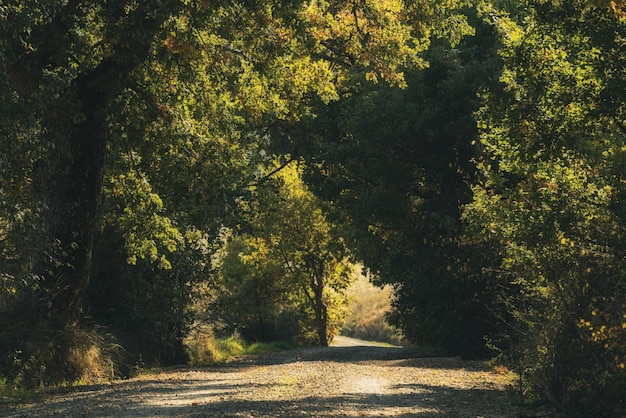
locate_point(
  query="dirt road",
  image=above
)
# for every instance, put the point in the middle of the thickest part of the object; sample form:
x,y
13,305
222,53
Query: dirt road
x,y
353,378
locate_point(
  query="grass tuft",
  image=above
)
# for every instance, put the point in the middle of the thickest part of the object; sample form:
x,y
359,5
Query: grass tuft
x,y
45,354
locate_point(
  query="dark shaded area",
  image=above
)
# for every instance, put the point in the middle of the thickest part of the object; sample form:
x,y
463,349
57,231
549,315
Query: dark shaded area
x,y
340,354
396,167
145,308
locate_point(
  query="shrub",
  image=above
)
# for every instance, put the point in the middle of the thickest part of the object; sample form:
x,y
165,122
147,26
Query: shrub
x,y
204,347
43,354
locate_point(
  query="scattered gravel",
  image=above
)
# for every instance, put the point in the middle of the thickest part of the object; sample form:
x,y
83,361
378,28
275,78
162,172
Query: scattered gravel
x,y
347,380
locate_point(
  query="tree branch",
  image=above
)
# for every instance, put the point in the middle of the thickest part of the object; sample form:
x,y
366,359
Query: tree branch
x,y
266,177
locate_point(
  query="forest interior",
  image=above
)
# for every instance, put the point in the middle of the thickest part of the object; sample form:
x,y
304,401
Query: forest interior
x,y
186,181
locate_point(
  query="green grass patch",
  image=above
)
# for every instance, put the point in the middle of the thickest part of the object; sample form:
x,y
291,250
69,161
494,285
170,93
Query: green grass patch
x,y
10,393
6,390
204,348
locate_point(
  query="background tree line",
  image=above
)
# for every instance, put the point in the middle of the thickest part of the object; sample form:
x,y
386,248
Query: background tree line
x,y
165,163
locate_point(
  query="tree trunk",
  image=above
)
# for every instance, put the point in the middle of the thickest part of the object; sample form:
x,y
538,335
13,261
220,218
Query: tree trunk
x,y
74,110
322,321
70,185
70,181
321,312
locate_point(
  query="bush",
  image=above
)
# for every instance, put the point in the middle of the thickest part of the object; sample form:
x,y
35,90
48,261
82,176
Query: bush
x,y
43,354
147,308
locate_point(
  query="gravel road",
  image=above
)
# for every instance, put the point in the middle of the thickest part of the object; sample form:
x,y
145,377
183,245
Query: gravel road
x,y
352,378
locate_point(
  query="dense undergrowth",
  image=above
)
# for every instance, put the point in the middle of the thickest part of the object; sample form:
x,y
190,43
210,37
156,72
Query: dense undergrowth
x,y
96,363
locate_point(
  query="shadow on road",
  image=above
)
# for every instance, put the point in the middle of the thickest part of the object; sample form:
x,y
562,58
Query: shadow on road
x,y
345,354
409,357
270,385
213,400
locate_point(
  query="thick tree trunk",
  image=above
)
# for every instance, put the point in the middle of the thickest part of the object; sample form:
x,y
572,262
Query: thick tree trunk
x,y
70,181
315,284
70,187
70,184
68,178
322,321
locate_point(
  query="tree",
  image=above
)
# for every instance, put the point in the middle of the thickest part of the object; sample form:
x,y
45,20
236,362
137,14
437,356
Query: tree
x,y
253,297
72,82
65,65
551,198
139,96
289,268
397,165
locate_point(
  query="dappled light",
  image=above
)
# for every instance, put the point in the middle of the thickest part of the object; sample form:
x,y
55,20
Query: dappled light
x,y
353,380
313,208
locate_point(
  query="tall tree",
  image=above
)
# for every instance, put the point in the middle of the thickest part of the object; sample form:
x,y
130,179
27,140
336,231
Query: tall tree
x,y
73,65
396,165
552,198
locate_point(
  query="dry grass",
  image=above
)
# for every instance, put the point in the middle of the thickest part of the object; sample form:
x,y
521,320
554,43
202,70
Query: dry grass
x,y
368,307
44,355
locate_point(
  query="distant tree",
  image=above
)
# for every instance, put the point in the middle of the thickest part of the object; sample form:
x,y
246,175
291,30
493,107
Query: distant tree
x,y
253,296
286,275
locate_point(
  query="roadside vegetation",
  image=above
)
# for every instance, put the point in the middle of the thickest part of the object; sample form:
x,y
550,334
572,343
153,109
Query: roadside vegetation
x,y
368,307
204,348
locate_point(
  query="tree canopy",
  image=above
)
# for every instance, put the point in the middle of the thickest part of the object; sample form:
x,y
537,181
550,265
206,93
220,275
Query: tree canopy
x,y
161,105
397,167
166,162
550,197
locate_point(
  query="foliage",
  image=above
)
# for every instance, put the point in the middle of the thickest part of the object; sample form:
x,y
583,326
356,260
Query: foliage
x,y
253,296
165,103
205,348
284,278
38,355
551,199
138,135
369,306
396,165
146,307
